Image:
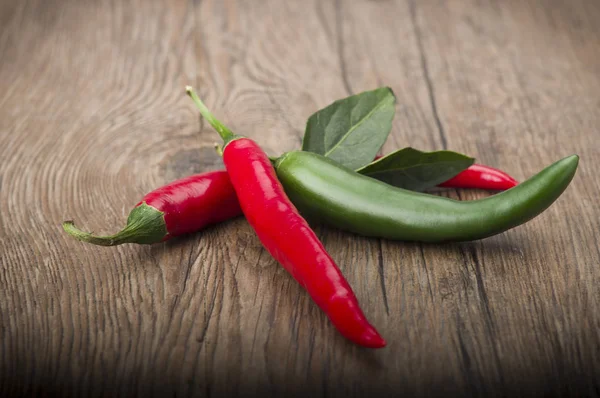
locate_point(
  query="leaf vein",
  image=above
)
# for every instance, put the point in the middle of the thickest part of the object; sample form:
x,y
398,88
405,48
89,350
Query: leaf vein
x,y
354,127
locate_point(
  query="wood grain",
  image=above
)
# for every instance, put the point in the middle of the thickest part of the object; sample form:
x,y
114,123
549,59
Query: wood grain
x,y
93,115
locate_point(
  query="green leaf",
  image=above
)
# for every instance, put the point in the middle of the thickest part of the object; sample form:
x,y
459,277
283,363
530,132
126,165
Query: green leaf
x,y
352,130
412,169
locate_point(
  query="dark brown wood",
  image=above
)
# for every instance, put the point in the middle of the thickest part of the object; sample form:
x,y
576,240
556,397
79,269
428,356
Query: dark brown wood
x,y
93,115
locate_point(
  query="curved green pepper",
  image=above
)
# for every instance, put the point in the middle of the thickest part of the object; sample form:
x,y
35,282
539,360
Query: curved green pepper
x,y
325,191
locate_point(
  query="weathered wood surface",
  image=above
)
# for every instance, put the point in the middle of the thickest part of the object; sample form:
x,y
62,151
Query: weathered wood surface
x,y
93,115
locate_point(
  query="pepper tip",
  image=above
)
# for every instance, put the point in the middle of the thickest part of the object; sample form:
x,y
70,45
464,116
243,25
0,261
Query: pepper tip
x,y
372,339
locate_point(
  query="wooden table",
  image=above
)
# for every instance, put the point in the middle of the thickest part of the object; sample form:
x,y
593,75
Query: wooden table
x,y
93,114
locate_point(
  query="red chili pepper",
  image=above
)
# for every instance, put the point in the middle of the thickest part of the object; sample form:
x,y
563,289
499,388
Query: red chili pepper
x,y
183,206
287,236
478,176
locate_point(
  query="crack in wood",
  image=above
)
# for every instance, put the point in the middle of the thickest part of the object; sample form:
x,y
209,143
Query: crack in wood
x,y
426,74
340,46
382,277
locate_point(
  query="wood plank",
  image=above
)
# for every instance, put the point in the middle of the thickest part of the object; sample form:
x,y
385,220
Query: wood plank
x,y
507,84
93,111
93,115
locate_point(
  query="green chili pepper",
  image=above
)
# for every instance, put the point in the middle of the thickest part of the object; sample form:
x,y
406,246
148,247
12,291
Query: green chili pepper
x,y
325,191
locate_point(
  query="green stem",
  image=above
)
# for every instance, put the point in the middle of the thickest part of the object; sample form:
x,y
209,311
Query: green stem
x,y
145,225
226,134
219,149
123,236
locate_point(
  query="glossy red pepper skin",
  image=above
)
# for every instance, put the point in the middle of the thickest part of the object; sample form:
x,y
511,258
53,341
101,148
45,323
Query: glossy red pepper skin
x,y
291,241
185,205
194,202
478,176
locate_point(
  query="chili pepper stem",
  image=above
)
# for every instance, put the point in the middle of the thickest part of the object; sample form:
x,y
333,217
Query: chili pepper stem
x,y
226,134
111,240
145,225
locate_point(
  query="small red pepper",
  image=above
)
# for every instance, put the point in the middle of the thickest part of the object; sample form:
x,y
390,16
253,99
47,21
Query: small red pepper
x,y
287,236
183,206
478,176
